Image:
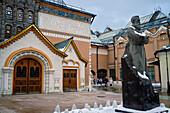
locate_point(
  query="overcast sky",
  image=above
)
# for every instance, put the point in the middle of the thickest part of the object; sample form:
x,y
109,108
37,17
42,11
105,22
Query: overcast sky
x,y
116,13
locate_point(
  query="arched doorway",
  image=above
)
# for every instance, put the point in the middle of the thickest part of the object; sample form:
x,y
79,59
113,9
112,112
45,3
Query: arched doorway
x,y
27,76
71,75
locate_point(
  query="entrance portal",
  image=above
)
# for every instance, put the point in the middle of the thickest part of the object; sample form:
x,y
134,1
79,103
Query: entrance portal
x,y
27,76
70,80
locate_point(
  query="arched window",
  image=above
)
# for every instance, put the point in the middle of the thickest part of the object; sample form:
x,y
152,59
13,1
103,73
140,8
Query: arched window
x,y
9,12
8,32
18,30
20,15
30,17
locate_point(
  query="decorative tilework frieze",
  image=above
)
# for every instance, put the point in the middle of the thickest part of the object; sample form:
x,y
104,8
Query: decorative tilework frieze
x,y
64,14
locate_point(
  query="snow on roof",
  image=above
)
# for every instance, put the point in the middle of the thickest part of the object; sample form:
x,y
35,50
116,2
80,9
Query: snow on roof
x,y
145,19
94,38
62,45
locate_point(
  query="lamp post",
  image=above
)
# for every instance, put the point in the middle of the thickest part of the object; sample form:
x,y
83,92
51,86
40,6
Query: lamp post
x,y
168,21
114,56
168,85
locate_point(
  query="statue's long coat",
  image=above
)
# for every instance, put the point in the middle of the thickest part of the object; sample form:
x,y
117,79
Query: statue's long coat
x,y
136,48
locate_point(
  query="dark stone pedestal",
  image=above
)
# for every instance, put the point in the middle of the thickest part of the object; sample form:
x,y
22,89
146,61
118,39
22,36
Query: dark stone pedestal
x,y
138,93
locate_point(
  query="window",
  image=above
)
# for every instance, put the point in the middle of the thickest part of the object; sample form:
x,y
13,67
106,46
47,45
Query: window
x,y
9,12
34,73
120,73
18,30
151,72
21,73
8,32
30,17
112,74
20,15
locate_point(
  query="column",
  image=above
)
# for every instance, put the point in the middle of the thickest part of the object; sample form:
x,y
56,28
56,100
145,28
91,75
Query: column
x,y
49,80
7,72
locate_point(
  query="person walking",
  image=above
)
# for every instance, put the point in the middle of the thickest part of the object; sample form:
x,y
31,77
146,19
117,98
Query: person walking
x,y
97,80
101,81
110,81
106,82
94,81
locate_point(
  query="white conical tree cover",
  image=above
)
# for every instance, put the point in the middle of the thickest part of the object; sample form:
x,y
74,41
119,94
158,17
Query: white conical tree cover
x,y
74,107
100,107
114,104
108,103
66,111
87,106
80,111
95,105
57,109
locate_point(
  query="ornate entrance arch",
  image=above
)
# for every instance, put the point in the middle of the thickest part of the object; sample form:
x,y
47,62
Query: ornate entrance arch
x,y
42,58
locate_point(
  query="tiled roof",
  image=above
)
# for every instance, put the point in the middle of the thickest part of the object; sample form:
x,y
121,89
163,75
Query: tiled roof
x,y
61,2
164,49
108,37
66,7
148,18
155,19
62,46
95,39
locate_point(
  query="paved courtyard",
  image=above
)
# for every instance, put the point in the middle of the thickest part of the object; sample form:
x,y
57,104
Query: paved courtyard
x,y
46,103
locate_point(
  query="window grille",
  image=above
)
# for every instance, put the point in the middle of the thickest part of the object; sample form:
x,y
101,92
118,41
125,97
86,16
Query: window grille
x,y
8,31
20,15
9,12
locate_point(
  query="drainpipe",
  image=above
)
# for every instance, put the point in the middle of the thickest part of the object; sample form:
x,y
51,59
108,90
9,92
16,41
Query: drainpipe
x,y
97,61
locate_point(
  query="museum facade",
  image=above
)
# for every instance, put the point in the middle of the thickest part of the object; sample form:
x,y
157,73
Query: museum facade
x,y
44,48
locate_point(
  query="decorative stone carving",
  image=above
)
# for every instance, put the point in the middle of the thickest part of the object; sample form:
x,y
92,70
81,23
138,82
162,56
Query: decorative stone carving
x,y
50,73
7,80
30,53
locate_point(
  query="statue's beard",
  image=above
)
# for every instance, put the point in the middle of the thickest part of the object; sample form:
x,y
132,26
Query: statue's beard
x,y
137,27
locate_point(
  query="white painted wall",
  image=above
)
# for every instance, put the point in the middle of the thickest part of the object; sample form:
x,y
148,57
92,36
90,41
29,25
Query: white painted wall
x,y
57,23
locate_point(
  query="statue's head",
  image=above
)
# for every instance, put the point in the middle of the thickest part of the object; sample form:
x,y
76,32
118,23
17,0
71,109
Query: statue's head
x,y
136,22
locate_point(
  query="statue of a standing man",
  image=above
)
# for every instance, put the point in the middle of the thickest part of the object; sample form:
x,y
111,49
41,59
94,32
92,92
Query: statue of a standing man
x,y
137,88
137,39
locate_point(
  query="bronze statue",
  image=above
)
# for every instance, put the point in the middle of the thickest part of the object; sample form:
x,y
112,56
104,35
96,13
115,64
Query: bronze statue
x,y
138,92
137,39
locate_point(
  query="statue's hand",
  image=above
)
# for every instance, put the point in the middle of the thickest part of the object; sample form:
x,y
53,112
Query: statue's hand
x,y
146,37
140,34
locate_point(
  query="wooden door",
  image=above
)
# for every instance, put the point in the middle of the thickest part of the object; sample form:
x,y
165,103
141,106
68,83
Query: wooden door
x,y
34,82
66,80
73,79
69,79
27,76
20,76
